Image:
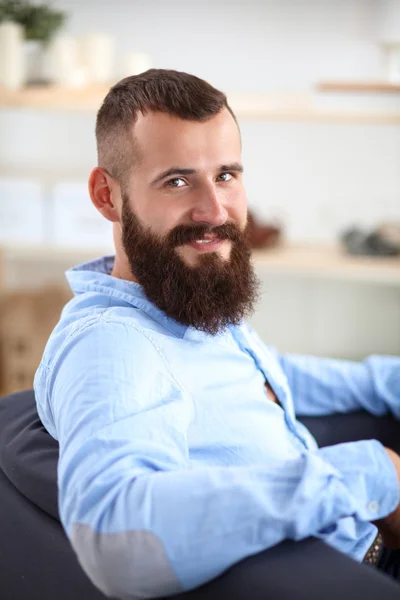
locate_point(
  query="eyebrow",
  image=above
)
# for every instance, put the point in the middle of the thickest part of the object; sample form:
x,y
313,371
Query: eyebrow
x,y
176,171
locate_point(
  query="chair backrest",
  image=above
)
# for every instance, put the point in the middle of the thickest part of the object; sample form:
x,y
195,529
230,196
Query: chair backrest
x,y
28,454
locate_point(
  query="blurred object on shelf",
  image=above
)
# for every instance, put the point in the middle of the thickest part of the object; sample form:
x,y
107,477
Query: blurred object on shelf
x,y
96,54
387,32
134,63
12,66
392,61
40,23
62,63
26,321
382,241
22,212
391,233
262,235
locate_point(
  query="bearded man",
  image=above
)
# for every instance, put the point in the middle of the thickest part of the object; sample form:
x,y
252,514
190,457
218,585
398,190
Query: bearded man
x,y
180,451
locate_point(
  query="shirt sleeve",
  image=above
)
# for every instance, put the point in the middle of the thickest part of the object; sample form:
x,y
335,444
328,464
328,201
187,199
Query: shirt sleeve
x,y
322,386
142,520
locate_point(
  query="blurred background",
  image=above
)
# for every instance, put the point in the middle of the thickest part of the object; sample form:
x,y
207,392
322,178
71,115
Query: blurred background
x,y
316,88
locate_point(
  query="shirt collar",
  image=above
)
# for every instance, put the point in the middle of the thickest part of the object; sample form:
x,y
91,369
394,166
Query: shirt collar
x,y
94,276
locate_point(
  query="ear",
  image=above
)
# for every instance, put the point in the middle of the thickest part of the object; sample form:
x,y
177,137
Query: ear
x,y
104,193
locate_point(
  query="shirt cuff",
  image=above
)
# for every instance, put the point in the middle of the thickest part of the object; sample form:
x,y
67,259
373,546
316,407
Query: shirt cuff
x,y
369,474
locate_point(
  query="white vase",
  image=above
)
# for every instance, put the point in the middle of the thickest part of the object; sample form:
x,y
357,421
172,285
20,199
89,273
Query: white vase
x,y
97,57
12,68
62,66
393,64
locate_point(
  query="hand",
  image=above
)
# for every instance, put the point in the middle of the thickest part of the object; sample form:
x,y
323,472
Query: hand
x,y
389,527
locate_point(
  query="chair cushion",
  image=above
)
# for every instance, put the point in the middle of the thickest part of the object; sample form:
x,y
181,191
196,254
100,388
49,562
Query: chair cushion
x,y
36,560
351,427
28,454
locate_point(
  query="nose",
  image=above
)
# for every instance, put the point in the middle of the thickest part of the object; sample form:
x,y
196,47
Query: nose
x,y
209,209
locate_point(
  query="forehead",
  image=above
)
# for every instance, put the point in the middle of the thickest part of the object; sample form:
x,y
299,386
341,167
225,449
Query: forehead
x,y
163,140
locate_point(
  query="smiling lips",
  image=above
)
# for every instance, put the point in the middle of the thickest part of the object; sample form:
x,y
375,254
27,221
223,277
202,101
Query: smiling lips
x,y
209,243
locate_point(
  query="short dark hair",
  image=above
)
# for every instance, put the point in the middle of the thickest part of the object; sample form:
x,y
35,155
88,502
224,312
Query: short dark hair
x,y
176,93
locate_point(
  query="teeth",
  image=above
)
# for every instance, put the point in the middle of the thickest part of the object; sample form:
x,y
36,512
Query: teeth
x,y
203,241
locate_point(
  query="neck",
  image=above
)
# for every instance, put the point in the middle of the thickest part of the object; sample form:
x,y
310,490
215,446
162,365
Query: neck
x,y
121,268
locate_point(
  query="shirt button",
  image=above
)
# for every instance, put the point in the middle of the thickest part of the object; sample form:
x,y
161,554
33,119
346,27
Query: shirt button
x,y
373,506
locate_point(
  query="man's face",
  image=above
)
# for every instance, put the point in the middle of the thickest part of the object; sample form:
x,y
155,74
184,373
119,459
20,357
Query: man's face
x,y
188,173
184,219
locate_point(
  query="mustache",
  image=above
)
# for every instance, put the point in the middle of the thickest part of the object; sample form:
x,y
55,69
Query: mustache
x,y
184,234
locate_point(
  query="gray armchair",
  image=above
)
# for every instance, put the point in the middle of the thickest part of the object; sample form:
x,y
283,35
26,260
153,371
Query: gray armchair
x,y
37,561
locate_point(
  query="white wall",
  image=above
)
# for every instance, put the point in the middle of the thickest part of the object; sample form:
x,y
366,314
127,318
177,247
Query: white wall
x,y
341,319
247,44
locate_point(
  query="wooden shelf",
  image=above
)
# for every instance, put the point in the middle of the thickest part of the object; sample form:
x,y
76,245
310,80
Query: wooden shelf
x,y
329,262
304,260
256,106
365,87
53,98
50,253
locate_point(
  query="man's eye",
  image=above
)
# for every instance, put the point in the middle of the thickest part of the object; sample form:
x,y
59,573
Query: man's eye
x,y
225,176
176,182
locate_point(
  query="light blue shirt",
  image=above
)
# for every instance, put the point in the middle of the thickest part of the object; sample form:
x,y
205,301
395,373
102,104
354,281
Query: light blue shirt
x,y
174,464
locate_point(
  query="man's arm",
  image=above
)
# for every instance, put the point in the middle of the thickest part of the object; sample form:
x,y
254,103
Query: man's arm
x,y
143,521
324,386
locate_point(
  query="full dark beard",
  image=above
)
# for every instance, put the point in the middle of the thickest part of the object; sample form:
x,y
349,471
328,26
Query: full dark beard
x,y
209,296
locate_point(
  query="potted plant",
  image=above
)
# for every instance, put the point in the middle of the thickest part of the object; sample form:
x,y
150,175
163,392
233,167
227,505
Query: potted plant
x,y
40,23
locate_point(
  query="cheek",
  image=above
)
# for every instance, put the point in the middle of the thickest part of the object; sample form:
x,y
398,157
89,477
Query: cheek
x,y
159,217
166,219
237,209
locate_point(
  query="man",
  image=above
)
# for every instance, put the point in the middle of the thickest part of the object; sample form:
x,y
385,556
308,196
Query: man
x,y
180,453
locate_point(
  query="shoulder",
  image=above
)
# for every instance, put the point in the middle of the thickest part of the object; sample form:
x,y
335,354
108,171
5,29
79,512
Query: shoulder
x,y
104,361
106,333
102,350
